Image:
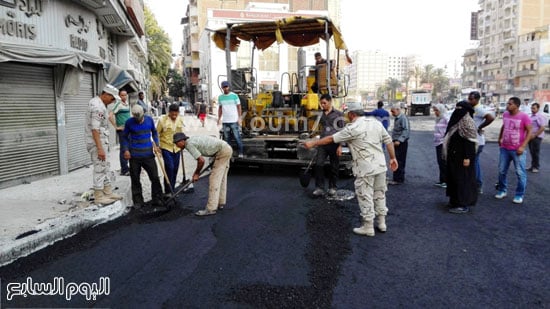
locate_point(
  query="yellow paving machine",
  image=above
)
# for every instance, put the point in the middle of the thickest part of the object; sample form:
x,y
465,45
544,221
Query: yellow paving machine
x,y
277,119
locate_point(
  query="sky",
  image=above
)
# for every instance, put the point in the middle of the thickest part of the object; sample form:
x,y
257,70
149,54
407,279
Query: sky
x,y
168,14
437,30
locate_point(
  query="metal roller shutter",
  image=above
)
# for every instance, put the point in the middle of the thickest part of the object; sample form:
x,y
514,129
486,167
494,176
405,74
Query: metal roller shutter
x,y
75,115
28,126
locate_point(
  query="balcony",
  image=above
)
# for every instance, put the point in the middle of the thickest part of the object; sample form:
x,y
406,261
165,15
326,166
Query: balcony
x,y
511,39
523,73
491,66
524,88
527,58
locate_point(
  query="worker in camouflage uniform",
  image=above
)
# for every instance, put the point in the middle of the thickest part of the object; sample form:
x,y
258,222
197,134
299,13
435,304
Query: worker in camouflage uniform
x,y
97,144
365,137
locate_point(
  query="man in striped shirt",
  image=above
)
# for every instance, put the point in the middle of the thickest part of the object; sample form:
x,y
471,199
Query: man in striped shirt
x,y
140,150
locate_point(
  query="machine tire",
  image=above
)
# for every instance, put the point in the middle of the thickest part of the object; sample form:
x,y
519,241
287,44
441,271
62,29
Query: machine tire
x,y
427,111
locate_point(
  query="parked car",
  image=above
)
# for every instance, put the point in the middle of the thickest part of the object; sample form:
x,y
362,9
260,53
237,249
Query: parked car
x,y
545,110
501,108
186,108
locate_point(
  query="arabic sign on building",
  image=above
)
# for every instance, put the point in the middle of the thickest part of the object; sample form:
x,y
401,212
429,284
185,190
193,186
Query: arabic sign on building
x,y
255,15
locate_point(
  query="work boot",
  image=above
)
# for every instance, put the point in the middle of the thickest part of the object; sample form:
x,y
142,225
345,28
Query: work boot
x,y
108,191
100,198
381,223
367,228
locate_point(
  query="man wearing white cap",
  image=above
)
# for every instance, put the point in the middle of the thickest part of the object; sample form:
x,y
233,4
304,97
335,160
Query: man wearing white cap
x,y
139,144
97,144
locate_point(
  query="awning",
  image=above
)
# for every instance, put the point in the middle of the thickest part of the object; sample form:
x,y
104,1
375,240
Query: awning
x,y
118,77
43,55
296,31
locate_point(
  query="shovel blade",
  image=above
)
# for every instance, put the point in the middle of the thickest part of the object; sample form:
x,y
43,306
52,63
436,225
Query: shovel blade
x,y
304,179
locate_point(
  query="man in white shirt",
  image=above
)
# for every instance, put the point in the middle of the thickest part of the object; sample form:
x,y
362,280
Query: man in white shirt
x,y
482,118
229,111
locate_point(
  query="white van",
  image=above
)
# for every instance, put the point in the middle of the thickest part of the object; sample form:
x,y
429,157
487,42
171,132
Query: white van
x,y
545,110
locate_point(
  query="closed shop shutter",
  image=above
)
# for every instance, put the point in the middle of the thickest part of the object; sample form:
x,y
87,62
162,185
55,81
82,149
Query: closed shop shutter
x,y
28,127
75,120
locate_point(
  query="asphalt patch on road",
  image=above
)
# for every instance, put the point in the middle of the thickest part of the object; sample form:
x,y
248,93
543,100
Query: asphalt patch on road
x,y
88,238
329,229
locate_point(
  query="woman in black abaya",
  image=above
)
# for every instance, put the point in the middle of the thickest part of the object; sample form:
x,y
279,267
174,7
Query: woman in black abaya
x,y
460,152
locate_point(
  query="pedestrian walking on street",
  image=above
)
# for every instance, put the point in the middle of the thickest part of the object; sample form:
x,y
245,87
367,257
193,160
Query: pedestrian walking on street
x,y
229,113
139,141
208,146
97,144
441,121
538,121
400,137
141,102
118,116
482,118
365,137
332,121
459,151
202,112
167,126
513,139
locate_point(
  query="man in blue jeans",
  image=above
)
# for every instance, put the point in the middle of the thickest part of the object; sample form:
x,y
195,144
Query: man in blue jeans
x,y
230,111
513,139
482,118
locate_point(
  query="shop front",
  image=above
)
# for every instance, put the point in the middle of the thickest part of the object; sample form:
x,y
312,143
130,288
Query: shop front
x,y
53,56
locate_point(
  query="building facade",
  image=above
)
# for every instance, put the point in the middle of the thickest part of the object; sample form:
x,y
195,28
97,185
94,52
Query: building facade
x,y
54,57
204,64
511,47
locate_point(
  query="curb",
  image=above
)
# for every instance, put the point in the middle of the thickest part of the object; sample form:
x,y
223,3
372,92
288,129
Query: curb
x,y
51,231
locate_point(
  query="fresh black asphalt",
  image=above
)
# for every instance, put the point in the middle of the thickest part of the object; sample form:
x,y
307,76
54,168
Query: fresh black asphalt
x,y
276,247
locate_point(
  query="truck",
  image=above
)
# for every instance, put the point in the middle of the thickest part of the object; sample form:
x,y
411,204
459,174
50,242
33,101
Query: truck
x,y
275,123
420,102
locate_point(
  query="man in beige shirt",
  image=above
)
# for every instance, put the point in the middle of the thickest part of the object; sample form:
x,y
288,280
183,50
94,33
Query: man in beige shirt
x,y
365,137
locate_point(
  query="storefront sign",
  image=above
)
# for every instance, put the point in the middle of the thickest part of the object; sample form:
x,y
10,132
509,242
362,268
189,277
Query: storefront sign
x,y
30,7
79,43
17,28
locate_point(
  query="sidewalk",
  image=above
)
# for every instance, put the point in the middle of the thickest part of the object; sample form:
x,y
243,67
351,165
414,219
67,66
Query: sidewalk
x,y
35,215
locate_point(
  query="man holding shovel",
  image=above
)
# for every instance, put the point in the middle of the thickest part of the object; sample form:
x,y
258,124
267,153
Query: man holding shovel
x,y
140,150
208,146
365,137
167,126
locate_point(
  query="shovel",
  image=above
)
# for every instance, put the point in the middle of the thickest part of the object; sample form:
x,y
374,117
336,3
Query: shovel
x,y
305,176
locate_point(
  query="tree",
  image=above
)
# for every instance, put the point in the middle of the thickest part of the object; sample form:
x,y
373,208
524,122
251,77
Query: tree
x,y
440,81
428,74
158,54
405,81
175,83
416,73
392,85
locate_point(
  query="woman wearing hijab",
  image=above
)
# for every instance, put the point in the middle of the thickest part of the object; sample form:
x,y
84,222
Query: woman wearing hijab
x,y
460,152
441,121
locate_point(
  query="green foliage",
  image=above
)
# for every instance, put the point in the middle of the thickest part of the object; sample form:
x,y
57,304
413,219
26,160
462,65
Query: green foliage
x,y
393,85
159,56
175,84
